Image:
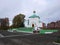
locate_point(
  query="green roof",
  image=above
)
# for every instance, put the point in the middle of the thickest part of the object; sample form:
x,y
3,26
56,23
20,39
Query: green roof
x,y
34,16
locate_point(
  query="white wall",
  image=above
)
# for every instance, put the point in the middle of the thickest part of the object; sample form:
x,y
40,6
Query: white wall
x,y
34,21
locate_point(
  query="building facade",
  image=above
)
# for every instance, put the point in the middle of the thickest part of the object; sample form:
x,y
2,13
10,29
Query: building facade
x,y
33,21
54,25
4,23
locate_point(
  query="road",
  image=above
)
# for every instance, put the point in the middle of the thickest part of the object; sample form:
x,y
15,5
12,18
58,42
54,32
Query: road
x,y
26,38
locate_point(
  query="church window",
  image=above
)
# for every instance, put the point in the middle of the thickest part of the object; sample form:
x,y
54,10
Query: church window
x,y
28,22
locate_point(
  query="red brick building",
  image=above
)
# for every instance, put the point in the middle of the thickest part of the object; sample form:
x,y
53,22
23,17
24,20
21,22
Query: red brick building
x,y
54,25
4,23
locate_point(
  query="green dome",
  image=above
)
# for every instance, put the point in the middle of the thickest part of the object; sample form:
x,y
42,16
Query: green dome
x,y
34,16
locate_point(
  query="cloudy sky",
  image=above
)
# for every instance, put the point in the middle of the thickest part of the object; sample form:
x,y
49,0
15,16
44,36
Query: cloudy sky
x,y
48,10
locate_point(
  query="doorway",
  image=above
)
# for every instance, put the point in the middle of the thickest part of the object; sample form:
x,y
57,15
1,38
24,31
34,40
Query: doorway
x,y
32,25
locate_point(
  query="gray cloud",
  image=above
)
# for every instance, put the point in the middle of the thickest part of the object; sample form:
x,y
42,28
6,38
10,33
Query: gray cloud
x,y
48,10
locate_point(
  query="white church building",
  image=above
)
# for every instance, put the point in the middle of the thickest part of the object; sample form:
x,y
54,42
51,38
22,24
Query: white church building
x,y
33,21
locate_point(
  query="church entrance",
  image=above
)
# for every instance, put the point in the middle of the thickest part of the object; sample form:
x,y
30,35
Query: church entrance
x,y
32,25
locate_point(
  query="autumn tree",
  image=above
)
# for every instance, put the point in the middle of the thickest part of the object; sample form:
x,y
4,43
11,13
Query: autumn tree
x,y
18,21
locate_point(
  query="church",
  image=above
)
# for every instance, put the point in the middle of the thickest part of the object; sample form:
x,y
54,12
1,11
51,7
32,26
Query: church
x,y
33,21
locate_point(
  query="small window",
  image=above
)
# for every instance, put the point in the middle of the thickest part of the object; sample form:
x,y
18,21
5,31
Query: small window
x,y
28,22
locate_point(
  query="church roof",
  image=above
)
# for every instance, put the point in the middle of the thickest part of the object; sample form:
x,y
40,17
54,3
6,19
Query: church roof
x,y
34,16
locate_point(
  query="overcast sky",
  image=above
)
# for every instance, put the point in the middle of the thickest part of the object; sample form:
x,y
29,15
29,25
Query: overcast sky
x,y
48,10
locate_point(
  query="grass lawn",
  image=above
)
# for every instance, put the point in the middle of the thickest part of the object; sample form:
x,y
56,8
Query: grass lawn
x,y
43,31
30,30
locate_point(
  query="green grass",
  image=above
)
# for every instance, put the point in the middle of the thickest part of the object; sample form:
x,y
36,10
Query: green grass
x,y
43,31
31,30
25,29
